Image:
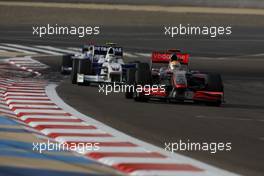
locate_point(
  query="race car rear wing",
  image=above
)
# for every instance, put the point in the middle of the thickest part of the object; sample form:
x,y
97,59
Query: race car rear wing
x,y
164,57
102,50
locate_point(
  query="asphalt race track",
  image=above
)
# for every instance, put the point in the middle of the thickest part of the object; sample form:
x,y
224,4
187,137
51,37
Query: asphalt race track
x,y
238,58
210,3
239,121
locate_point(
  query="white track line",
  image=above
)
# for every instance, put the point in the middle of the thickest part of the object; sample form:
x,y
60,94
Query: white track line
x,y
34,124
6,111
27,101
143,54
38,111
34,49
4,107
116,160
23,87
70,131
57,49
137,8
120,149
25,117
79,50
89,139
26,93
32,106
130,55
48,131
168,173
17,50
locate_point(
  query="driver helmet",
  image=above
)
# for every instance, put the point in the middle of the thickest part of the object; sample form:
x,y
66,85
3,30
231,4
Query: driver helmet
x,y
175,65
85,49
110,55
174,62
89,52
174,57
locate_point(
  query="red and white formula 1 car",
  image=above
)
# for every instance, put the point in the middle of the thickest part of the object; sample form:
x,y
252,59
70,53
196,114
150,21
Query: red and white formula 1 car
x,y
175,82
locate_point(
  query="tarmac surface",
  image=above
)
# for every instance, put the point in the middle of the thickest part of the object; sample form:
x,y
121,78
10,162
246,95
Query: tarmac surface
x,y
210,3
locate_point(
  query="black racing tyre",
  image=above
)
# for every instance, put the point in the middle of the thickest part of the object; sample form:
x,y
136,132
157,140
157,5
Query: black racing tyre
x,y
128,93
130,82
115,78
66,62
85,66
214,83
142,78
143,74
130,76
140,98
75,65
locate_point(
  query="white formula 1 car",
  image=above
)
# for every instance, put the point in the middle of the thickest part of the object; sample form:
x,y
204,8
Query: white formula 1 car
x,y
103,64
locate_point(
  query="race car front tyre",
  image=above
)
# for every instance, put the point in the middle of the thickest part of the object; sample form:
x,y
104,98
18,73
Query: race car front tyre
x,y
84,68
214,83
75,63
66,63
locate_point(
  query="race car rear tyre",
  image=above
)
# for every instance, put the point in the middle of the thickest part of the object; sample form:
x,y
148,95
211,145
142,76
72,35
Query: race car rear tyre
x,y
75,63
115,77
128,93
142,78
139,97
66,63
143,74
130,82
